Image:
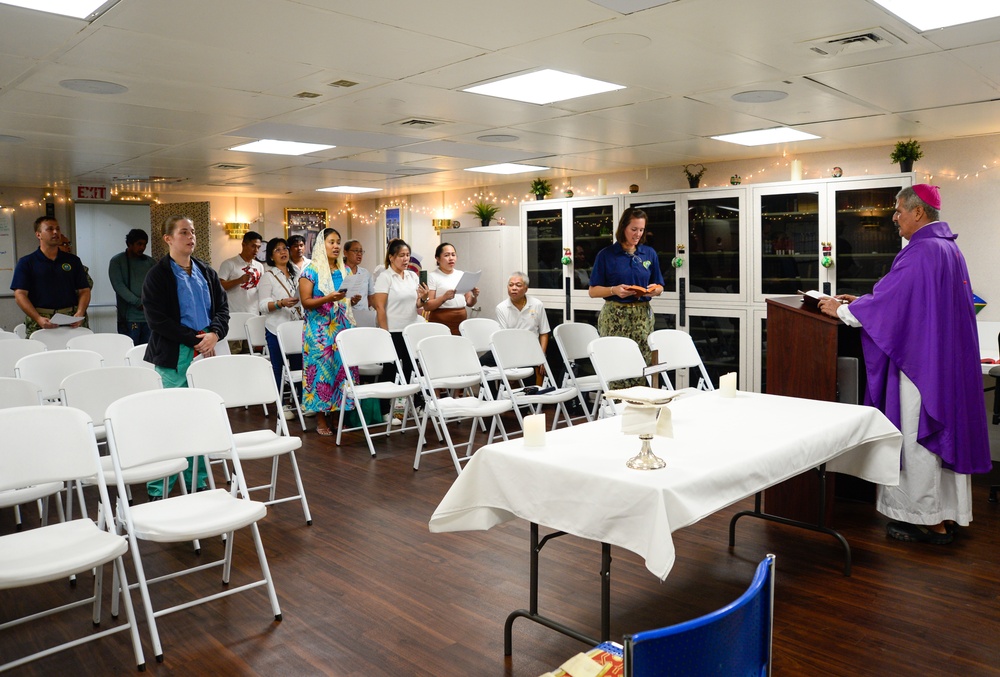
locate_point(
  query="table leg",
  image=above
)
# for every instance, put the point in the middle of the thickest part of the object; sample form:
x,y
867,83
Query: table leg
x,y
531,613
820,525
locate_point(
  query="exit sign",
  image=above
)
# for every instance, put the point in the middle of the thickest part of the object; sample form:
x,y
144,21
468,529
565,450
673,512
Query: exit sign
x,y
81,193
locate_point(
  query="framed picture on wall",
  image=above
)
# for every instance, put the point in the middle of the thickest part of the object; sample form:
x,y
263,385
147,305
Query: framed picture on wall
x,y
393,223
305,222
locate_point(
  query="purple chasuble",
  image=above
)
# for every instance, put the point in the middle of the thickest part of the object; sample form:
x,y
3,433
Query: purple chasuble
x,y
920,320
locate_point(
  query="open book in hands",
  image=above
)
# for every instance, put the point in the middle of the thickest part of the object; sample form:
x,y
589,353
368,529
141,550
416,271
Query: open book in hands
x,y
636,290
813,297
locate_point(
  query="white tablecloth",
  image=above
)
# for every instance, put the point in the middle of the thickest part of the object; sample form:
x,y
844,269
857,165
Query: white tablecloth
x,y
723,450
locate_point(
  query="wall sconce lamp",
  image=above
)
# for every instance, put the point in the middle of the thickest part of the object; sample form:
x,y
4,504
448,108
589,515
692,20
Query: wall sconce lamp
x,y
236,230
441,224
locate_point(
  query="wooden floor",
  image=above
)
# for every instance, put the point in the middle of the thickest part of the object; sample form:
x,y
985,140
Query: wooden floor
x,y
367,590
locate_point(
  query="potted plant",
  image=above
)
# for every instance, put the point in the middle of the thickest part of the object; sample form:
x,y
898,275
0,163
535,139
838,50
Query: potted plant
x,y
541,188
906,153
484,211
694,174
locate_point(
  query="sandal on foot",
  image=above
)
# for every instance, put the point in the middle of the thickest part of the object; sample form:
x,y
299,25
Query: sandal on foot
x,y
325,432
917,533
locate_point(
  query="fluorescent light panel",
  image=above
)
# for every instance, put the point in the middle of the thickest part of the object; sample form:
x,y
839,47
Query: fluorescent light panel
x,y
544,86
507,168
77,9
763,137
276,147
925,15
347,189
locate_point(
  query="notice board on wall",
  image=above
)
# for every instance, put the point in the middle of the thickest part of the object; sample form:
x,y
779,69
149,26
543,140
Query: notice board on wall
x,y
8,254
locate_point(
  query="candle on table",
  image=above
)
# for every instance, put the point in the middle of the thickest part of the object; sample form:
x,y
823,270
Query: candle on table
x,y
534,430
727,384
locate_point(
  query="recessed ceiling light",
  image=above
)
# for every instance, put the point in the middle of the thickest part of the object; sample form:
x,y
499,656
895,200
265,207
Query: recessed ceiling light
x,y
544,86
7,138
762,137
507,168
759,96
275,147
78,9
925,16
93,86
347,189
497,138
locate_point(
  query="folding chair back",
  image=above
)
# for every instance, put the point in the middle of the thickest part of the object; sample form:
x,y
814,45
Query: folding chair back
x,y
290,343
18,392
615,358
366,345
112,347
55,339
517,348
21,331
12,351
414,333
479,330
8,336
675,349
241,380
572,339
48,369
136,357
448,356
256,334
69,451
93,390
237,326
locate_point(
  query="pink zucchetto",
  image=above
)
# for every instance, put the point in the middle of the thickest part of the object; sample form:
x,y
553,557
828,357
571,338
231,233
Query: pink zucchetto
x,y
929,194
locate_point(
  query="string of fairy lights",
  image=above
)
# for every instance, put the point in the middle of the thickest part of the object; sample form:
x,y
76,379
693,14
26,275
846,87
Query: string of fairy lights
x,y
772,171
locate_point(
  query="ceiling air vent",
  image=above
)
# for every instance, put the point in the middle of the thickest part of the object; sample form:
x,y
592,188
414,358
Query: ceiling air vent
x,y
341,83
306,95
418,123
852,43
229,167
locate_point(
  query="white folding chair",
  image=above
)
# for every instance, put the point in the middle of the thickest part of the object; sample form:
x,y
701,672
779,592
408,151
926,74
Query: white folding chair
x,y
479,330
136,357
21,330
8,336
237,326
519,349
256,334
371,345
16,392
66,452
12,351
92,391
112,347
675,349
444,358
246,380
55,339
187,421
290,343
48,369
615,358
572,339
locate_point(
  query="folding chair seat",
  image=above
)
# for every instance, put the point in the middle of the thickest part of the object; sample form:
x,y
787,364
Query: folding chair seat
x,y
187,421
12,351
372,345
246,380
48,369
479,330
58,551
615,358
111,347
519,349
136,357
92,391
55,339
444,358
290,343
572,339
675,350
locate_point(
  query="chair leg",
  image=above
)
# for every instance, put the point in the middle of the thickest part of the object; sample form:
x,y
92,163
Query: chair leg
x,y
147,604
98,591
227,560
126,597
272,595
274,478
302,491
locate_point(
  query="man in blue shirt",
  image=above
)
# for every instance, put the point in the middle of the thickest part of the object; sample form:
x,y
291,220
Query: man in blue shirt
x,y
50,281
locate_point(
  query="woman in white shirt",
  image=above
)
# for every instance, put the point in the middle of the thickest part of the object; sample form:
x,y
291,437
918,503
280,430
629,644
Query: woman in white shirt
x,y
278,295
444,304
397,298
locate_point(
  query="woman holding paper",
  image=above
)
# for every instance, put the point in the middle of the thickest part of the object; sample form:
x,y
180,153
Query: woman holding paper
x,y
627,275
445,305
327,312
278,298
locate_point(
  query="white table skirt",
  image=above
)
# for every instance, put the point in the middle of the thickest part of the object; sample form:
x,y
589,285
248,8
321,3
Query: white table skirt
x,y
723,450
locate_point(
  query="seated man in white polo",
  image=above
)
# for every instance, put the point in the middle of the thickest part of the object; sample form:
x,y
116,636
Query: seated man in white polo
x,y
520,311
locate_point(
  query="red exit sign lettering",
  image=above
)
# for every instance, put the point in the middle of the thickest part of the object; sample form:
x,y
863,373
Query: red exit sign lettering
x,y
90,193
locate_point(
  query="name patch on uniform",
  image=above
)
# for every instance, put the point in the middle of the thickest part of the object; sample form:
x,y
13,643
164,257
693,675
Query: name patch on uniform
x,y
67,267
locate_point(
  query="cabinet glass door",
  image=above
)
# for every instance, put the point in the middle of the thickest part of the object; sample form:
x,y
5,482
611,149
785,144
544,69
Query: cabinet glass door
x,y
718,337
544,232
866,238
714,245
661,235
593,230
789,242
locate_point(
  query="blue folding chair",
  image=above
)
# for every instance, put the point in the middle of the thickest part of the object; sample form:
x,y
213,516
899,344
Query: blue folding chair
x,y
734,641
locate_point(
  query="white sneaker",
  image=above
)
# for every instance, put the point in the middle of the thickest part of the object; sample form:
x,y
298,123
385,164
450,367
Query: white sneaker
x,y
397,418
288,411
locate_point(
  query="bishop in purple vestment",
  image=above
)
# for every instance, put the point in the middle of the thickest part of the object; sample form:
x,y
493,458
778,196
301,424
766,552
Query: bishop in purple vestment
x,y
922,360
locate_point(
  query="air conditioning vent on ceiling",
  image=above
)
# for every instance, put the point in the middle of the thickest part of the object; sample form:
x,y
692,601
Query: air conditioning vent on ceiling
x,y
229,167
341,83
417,123
306,95
852,43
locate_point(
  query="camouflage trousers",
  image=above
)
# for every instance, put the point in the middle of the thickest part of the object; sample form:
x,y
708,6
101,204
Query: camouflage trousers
x,y
631,320
30,326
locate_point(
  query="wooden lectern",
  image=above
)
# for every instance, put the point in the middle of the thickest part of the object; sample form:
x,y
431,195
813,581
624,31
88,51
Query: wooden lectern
x,y
803,345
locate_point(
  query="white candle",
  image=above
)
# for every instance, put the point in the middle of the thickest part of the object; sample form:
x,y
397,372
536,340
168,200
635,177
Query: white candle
x,y
602,186
796,170
727,384
534,430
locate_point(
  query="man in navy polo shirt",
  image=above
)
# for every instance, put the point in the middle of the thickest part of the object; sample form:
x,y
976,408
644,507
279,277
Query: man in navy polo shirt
x,y
49,281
